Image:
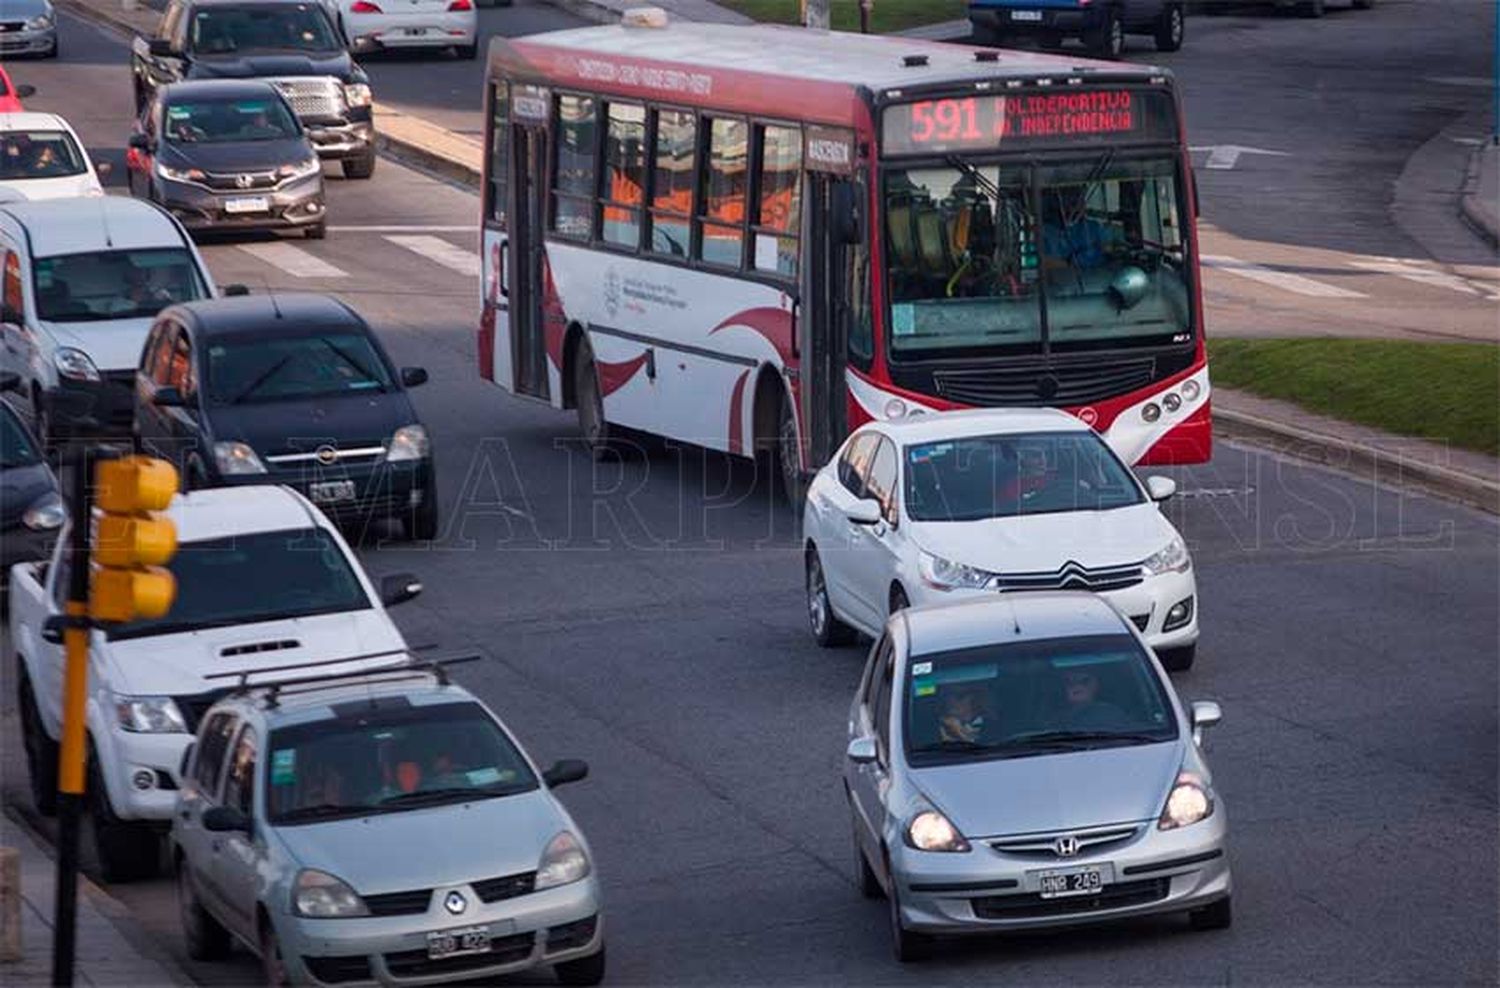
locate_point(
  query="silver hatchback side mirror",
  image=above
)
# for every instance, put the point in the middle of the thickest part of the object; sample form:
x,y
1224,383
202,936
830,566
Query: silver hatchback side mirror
x,y
862,750
1206,714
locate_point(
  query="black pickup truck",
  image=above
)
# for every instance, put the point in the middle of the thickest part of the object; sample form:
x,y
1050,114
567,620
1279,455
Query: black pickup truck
x,y
293,45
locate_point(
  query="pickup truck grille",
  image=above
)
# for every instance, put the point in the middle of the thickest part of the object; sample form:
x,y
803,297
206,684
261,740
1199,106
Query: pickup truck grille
x,y
312,96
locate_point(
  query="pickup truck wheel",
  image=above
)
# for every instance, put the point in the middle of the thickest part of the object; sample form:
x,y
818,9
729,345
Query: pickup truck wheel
x,y
41,751
127,851
207,940
361,167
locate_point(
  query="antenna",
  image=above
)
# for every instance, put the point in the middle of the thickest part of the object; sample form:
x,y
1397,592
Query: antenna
x,y
109,239
274,307
1015,622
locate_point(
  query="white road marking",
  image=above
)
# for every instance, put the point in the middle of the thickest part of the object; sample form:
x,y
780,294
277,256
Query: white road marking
x,y
442,252
1223,157
399,228
1467,81
1284,280
1413,271
293,260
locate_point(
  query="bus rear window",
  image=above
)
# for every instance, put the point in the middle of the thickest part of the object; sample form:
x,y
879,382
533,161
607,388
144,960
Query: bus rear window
x,y
1030,120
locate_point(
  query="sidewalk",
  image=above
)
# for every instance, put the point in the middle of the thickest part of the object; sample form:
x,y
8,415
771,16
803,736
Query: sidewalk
x,y
109,955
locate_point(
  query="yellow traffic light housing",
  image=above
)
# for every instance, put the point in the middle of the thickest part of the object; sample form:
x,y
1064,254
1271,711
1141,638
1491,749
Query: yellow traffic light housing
x,y
131,541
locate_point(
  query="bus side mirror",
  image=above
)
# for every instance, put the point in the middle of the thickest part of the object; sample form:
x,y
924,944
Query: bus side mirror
x,y
847,214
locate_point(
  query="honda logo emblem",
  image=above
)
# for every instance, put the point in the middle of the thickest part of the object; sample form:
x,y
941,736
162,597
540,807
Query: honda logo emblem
x,y
244,181
1065,847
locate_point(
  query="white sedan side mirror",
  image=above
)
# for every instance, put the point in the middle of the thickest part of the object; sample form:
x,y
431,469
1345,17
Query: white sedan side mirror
x,y
864,512
1160,488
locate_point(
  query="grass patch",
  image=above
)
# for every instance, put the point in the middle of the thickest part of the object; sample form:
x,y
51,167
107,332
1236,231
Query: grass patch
x,y
886,15
1440,391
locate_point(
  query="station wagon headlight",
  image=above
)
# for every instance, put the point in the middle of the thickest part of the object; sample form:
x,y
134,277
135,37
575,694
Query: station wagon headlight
x,y
944,574
1190,801
931,831
1172,559
409,443
357,94
75,364
237,459
46,513
563,862
149,715
318,895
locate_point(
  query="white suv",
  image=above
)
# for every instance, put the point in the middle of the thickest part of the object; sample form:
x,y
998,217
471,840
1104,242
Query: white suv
x,y
264,582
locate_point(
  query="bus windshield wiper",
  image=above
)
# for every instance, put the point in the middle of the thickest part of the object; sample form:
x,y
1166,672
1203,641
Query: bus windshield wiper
x,y
980,179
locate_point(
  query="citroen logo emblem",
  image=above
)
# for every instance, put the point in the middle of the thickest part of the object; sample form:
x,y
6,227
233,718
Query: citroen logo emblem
x,y
1065,847
244,181
455,903
326,454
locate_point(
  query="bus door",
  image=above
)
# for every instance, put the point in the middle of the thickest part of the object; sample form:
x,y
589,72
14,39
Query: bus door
x,y
525,264
832,227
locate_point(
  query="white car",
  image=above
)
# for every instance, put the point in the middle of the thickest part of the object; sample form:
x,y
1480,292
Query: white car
x,y
41,157
935,508
265,582
381,24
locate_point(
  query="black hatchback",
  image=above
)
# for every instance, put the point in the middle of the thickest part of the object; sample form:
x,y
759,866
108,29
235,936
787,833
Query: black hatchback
x,y
287,389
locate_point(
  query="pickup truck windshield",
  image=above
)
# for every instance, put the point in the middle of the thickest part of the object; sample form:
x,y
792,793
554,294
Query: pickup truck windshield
x,y
114,284
267,576
221,30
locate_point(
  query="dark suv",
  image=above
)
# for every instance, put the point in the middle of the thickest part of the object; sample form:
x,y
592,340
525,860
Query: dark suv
x,y
295,46
1102,24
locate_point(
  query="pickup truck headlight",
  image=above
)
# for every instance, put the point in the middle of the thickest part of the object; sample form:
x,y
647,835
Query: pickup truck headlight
x,y
149,715
319,895
180,174
46,513
944,574
409,443
357,94
237,458
75,364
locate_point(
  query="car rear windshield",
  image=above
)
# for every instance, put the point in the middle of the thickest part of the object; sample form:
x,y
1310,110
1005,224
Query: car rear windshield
x,y
247,369
301,27
266,576
386,756
114,284
16,448
1034,698
39,154
222,121
1021,474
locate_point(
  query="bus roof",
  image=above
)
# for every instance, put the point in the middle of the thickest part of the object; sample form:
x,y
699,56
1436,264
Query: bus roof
x,y
784,66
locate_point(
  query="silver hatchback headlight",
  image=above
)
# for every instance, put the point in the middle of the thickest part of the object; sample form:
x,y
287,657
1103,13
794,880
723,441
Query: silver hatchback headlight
x,y
1190,801
563,862
319,895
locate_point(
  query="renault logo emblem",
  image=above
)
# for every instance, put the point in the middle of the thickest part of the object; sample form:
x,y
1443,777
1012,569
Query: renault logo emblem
x,y
1065,847
326,454
244,181
455,903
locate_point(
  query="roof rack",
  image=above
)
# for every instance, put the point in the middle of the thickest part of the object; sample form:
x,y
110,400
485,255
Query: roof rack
x,y
412,668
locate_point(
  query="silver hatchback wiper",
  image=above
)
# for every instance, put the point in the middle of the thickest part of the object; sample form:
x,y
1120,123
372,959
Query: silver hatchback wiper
x,y
1083,737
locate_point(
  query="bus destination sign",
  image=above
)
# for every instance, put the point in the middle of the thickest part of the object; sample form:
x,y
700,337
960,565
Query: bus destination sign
x,y
1030,119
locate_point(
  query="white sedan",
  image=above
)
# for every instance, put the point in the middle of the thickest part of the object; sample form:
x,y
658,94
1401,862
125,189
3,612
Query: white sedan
x,y
41,157
391,24
935,508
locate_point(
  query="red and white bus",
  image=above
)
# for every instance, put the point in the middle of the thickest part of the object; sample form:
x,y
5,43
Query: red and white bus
x,y
758,238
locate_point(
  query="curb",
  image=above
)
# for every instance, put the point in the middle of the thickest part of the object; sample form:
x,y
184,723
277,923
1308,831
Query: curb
x,y
421,157
1481,214
1371,461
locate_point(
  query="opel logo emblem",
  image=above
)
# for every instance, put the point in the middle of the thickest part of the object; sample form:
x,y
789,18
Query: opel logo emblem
x,y
326,454
1065,847
244,181
455,903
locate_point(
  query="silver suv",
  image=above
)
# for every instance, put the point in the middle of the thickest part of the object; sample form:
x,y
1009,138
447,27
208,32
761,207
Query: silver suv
x,y
380,829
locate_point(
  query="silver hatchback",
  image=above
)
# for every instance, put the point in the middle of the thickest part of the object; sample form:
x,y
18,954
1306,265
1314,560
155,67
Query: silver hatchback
x,y
381,829
1024,762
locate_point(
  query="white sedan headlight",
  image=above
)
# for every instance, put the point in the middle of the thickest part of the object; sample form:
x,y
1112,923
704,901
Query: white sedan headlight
x,y
319,895
409,443
149,715
931,831
1172,559
1190,801
563,862
75,364
46,513
237,459
943,574
357,94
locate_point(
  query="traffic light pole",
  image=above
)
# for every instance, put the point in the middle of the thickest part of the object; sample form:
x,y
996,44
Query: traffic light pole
x,y
70,765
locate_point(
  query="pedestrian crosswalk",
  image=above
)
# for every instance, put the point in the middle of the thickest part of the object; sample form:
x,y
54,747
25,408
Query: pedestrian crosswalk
x,y
1285,280
293,260
441,251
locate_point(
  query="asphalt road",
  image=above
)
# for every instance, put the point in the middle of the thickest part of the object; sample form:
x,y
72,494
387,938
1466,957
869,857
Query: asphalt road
x,y
647,616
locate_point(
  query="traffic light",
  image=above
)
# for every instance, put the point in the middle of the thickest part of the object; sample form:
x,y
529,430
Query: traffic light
x,y
131,541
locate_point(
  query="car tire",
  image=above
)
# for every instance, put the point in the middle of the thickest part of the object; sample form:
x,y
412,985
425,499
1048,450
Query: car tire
x,y
1170,28
466,52
1218,916
318,231
41,751
361,167
41,421
584,971
788,453
827,630
899,601
422,524
908,946
126,851
1107,41
588,399
1178,659
1311,8
56,48
206,938
195,476
272,966
864,875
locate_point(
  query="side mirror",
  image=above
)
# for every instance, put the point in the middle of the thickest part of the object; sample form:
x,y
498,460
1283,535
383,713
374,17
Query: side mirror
x,y
187,759
862,750
363,46
413,376
103,168
160,48
230,291
398,588
52,630
140,142
225,819
1206,714
25,91
847,214
168,397
10,381
1160,488
565,771
865,511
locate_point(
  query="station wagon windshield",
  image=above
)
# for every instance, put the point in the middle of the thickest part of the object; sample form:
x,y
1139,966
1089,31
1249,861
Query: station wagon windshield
x,y
299,27
384,757
114,284
1034,698
266,576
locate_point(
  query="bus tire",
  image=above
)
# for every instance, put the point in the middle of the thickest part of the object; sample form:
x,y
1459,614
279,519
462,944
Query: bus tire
x,y
788,454
589,399
1107,40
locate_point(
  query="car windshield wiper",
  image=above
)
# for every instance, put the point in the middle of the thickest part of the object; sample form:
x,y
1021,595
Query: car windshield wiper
x,y
349,359
318,810
1084,737
260,381
453,793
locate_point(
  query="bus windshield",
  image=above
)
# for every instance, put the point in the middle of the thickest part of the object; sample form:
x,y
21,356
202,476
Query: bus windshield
x,y
1080,255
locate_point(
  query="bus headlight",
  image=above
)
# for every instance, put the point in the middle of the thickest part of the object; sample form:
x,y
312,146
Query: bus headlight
x,y
1151,411
1190,390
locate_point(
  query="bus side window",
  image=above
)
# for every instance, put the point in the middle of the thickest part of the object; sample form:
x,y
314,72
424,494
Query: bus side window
x,y
722,225
499,146
574,178
673,174
624,175
861,327
778,215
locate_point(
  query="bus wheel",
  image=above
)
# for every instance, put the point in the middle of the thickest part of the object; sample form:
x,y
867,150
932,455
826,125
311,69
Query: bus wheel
x,y
590,402
789,454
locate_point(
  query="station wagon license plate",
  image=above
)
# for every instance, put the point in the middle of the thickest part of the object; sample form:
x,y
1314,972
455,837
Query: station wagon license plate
x,y
328,491
1025,15
414,32
1059,883
248,204
457,943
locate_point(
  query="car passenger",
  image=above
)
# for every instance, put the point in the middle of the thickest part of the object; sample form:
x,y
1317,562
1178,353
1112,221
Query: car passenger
x,y
1084,710
963,718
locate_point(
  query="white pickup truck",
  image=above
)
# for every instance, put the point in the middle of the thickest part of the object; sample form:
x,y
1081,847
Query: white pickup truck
x,y
264,582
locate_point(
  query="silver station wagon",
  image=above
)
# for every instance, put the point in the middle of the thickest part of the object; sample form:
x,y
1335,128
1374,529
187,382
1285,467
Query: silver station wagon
x,y
1024,762
380,829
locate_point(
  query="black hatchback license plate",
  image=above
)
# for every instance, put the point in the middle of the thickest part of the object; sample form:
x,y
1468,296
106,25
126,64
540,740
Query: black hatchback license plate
x,y
458,943
330,491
